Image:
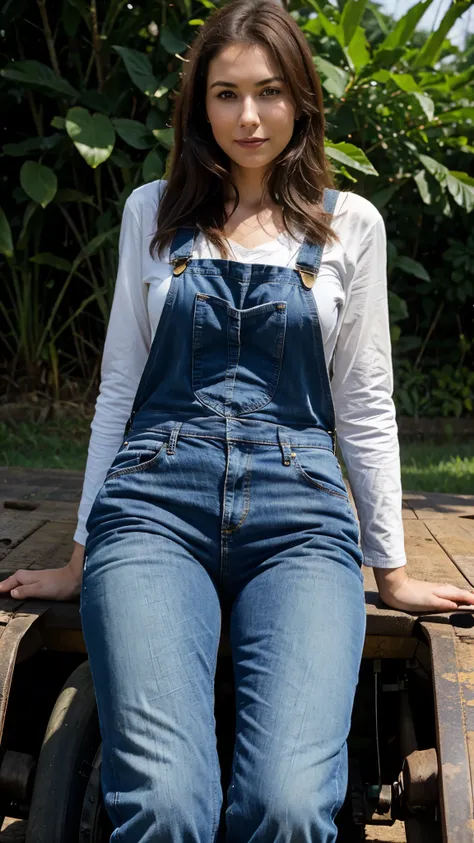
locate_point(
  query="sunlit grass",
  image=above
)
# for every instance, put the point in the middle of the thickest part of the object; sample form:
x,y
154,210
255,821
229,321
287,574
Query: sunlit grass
x,y
431,467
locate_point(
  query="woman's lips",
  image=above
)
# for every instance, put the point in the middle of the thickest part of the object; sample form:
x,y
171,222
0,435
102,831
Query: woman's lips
x,y
252,144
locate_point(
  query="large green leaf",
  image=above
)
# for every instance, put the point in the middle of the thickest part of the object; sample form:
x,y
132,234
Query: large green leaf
x,y
152,166
335,78
139,69
351,156
92,134
357,52
333,30
382,197
70,194
95,244
432,48
170,42
406,82
166,84
6,242
31,145
461,188
424,187
457,116
133,133
459,185
34,74
412,267
48,259
39,182
164,136
426,104
405,27
155,120
351,18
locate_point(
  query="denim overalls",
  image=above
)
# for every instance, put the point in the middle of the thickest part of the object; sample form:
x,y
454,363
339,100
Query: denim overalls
x,y
227,488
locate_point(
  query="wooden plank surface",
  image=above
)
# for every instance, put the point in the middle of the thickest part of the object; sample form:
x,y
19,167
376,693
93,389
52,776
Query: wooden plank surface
x,y
427,505
49,546
15,527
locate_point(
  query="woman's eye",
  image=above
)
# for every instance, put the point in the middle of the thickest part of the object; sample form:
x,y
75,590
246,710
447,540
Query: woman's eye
x,y
274,90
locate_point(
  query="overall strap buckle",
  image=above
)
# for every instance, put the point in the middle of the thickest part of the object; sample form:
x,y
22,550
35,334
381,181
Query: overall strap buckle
x,y
308,278
179,265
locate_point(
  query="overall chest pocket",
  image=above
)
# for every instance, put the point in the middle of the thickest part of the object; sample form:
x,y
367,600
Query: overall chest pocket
x,y
237,354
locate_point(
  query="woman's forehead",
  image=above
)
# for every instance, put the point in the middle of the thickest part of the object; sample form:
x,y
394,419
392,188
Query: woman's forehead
x,y
243,63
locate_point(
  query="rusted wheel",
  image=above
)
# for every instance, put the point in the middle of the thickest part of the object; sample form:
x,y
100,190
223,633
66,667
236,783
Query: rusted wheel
x,y
66,763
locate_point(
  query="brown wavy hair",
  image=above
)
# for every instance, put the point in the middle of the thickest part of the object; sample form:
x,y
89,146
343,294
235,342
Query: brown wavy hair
x,y
198,174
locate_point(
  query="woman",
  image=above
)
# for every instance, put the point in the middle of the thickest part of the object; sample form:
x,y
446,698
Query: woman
x,y
226,490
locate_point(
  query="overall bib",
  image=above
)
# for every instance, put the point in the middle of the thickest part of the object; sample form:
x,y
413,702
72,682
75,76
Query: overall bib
x,y
227,489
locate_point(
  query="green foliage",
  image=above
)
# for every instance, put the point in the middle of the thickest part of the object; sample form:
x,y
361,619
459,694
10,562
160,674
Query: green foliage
x,y
441,392
89,120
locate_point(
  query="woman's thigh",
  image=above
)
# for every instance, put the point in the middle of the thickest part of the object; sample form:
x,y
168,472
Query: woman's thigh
x,y
151,619
297,632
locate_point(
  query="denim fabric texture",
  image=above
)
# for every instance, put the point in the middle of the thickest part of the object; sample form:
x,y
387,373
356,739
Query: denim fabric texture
x,y
226,489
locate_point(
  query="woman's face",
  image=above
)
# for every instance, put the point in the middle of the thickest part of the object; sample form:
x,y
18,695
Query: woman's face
x,y
245,100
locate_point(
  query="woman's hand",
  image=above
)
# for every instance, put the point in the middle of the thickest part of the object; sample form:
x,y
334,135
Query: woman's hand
x,y
397,589
50,584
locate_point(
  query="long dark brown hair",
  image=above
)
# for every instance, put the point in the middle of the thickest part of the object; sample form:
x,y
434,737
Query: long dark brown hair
x,y
198,176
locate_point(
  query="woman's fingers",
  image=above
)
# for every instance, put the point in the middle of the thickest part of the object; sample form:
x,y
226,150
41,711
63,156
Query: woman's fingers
x,y
21,584
454,594
9,582
22,591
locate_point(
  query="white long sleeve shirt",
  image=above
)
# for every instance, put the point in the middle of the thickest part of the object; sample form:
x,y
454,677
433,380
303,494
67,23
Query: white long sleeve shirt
x,y
351,297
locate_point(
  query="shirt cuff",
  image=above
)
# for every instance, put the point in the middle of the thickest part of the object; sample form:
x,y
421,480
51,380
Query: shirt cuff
x,y
375,561
80,536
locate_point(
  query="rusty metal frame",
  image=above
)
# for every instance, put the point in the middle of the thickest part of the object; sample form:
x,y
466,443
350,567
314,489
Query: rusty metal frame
x,y
11,637
456,797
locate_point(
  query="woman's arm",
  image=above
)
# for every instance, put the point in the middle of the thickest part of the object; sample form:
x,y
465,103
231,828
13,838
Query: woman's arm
x,y
126,348
362,389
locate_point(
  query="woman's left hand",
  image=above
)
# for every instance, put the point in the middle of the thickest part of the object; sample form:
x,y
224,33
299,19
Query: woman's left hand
x,y
397,589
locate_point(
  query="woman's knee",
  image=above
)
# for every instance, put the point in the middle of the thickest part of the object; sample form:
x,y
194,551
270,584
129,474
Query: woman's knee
x,y
168,814
297,808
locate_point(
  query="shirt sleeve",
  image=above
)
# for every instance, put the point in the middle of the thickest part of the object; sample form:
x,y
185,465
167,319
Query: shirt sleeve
x,y
362,388
126,349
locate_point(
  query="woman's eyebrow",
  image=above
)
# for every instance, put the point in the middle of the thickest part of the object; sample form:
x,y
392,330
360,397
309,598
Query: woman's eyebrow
x,y
262,82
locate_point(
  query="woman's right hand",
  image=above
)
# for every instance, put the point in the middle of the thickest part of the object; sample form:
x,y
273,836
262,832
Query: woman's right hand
x,y
50,584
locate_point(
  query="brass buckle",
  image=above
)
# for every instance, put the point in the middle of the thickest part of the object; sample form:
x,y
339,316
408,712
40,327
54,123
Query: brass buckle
x,y
180,265
308,278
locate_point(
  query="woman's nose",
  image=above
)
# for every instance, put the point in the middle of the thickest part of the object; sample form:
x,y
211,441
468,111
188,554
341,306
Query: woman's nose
x,y
249,112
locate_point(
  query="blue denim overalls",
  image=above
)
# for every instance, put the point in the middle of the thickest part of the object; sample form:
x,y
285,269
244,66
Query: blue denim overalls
x,y
227,488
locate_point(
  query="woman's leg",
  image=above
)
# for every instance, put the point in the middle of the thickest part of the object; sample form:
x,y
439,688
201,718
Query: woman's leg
x,y
151,619
297,631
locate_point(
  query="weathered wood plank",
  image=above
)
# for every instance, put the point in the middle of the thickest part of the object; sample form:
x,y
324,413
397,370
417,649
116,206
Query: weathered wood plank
x,y
15,527
457,542
48,547
434,505
47,510
427,559
44,483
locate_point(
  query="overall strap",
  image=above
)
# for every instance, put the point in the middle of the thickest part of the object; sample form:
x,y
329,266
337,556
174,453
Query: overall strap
x,y
309,256
182,246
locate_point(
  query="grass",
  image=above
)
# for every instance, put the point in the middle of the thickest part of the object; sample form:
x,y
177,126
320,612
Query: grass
x,y
429,467
426,467
53,444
